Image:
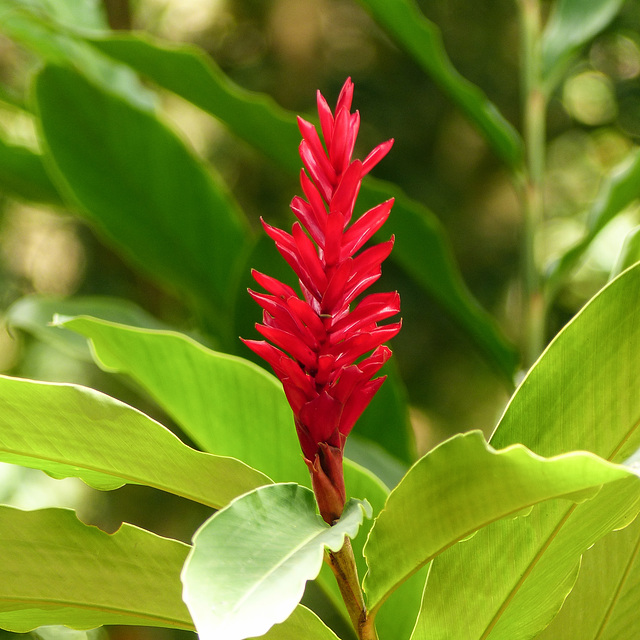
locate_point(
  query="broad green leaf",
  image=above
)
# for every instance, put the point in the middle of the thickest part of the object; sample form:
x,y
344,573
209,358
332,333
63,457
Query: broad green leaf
x,y
67,430
629,253
141,187
251,560
571,25
581,394
421,245
56,570
35,314
22,174
500,608
445,494
619,189
421,38
604,603
226,405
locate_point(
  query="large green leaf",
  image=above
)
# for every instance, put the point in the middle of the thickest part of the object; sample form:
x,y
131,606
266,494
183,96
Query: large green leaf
x,y
226,405
56,570
67,430
445,494
302,623
619,189
140,186
571,25
22,174
403,20
251,560
604,602
581,394
421,246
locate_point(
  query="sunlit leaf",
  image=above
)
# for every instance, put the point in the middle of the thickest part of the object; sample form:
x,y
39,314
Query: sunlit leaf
x,y
67,430
582,394
56,570
443,499
629,253
251,560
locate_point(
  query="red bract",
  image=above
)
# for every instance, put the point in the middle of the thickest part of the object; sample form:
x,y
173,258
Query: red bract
x,y
317,341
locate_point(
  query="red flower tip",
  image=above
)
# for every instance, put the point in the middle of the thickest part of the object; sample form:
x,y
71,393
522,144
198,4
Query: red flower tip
x,y
316,343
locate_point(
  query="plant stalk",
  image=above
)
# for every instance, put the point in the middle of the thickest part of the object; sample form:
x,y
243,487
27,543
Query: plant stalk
x,y
534,308
343,565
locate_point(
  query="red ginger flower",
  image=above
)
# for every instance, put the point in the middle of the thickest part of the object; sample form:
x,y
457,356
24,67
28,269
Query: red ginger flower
x,y
318,338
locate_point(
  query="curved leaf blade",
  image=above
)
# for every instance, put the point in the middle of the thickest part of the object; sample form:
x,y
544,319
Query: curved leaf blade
x,y
581,394
251,560
141,186
67,430
420,37
56,570
445,494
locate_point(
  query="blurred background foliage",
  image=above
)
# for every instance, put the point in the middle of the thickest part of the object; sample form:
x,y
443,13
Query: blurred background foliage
x,y
288,49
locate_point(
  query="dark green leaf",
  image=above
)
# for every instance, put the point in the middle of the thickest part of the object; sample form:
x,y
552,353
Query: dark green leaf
x,y
141,186
421,39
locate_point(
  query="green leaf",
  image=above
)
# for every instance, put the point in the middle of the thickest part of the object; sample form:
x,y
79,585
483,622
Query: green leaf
x,y
56,570
581,394
35,314
603,604
67,430
421,245
141,187
571,25
421,38
445,494
619,189
22,175
251,560
226,405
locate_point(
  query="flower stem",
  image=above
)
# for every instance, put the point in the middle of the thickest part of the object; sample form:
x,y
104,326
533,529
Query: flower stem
x,y
343,565
534,114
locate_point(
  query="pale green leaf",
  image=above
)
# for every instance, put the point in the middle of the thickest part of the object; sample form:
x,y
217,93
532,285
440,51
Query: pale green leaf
x,y
571,25
581,394
67,430
56,570
251,560
445,494
604,602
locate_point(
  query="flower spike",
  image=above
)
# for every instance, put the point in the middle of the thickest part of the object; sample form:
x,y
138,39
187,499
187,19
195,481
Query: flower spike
x,y
317,342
